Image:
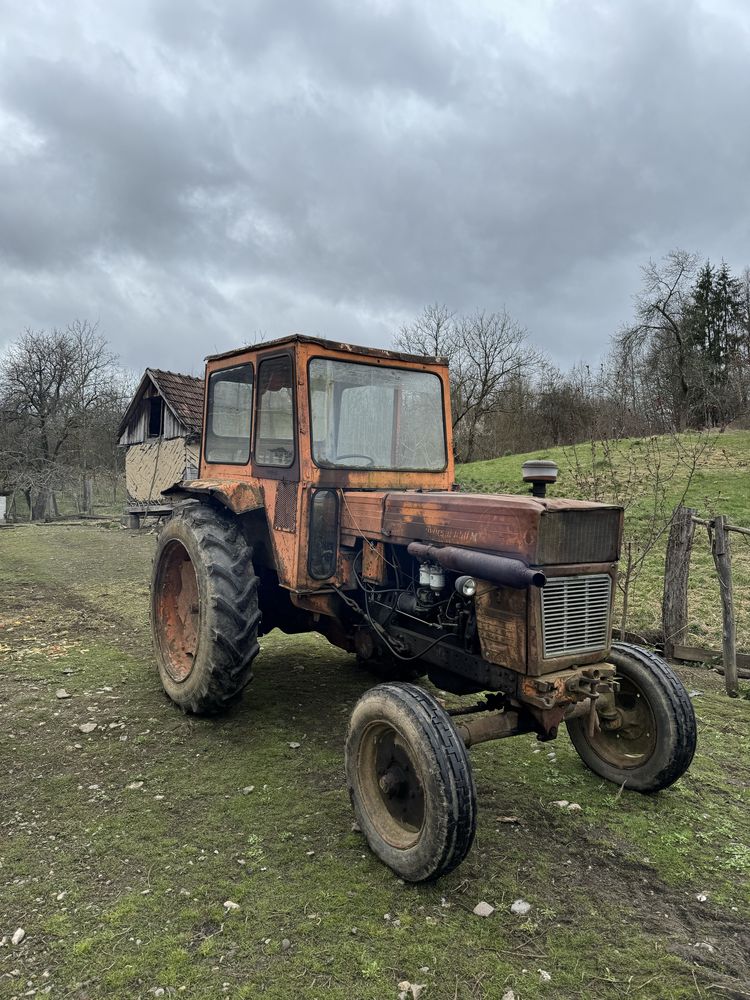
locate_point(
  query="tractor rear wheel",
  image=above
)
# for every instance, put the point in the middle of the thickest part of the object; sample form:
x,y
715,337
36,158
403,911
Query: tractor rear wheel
x,y
410,782
204,609
645,736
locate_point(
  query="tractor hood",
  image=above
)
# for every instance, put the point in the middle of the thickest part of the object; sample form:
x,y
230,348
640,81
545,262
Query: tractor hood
x,y
540,532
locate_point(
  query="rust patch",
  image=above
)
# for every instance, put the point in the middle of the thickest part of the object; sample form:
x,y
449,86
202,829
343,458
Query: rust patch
x,y
567,686
236,494
373,563
501,623
178,617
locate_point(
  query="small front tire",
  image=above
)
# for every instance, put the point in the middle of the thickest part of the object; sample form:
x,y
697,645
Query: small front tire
x,y
410,782
646,735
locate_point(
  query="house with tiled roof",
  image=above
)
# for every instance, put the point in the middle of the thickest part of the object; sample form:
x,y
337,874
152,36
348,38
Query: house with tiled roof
x,y
161,432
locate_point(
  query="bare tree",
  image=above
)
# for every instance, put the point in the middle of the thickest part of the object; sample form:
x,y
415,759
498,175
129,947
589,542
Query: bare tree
x,y
487,352
659,337
50,386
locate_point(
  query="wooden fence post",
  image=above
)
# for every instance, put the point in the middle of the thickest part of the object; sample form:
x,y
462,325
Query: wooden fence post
x,y
720,549
676,574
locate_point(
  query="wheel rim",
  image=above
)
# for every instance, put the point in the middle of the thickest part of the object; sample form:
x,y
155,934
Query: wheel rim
x,y
178,611
627,734
391,785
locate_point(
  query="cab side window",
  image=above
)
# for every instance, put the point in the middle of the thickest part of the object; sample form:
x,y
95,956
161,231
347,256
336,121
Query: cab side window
x,y
274,434
230,407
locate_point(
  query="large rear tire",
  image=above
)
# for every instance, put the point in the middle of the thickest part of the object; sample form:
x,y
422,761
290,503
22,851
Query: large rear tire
x,y
204,609
646,736
410,782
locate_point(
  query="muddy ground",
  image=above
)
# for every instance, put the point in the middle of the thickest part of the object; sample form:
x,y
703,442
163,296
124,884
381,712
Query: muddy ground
x,y
119,846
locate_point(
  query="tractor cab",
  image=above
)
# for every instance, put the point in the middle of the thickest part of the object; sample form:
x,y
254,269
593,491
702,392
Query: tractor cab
x,y
307,410
294,425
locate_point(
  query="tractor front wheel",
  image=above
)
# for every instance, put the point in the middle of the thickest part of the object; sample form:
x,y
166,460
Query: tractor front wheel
x,y
645,734
204,609
410,782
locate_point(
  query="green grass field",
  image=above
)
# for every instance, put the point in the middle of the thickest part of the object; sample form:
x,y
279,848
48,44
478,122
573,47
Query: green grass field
x,y
120,846
720,485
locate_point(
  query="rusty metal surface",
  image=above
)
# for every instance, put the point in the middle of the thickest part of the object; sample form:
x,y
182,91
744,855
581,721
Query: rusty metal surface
x,y
500,570
505,524
238,495
374,568
501,624
331,345
564,687
285,507
261,484
178,617
475,729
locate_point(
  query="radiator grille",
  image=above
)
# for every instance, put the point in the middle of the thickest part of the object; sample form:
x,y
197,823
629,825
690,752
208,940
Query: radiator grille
x,y
576,614
579,536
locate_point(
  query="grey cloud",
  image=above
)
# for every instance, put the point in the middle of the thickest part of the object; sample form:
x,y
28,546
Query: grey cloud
x,y
195,174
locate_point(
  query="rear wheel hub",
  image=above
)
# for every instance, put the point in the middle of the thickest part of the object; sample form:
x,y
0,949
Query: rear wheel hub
x,y
178,611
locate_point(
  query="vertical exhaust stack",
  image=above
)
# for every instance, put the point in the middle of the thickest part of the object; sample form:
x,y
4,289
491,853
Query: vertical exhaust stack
x,y
539,472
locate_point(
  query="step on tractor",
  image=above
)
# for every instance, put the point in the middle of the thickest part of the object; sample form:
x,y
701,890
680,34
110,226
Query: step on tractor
x,y
326,503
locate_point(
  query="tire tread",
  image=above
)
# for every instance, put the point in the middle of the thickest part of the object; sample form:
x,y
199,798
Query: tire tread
x,y
233,603
674,701
450,756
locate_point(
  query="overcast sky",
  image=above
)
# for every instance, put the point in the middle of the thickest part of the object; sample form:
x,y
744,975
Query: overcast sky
x,y
191,173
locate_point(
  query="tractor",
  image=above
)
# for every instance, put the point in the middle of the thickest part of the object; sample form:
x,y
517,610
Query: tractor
x,y
326,503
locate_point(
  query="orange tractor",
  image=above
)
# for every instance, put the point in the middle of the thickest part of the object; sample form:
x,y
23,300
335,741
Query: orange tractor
x,y
326,502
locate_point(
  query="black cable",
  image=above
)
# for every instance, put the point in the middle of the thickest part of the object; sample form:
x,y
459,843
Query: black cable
x,y
379,630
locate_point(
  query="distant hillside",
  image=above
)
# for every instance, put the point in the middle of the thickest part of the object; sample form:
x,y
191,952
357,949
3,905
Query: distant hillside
x,y
720,485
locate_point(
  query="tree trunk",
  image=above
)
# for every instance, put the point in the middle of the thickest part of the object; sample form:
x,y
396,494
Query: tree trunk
x,y
40,505
87,503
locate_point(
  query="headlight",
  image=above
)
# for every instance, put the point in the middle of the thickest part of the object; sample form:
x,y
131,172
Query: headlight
x,y
466,586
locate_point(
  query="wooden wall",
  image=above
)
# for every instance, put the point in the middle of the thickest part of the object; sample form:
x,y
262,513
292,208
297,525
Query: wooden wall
x,y
137,430
154,465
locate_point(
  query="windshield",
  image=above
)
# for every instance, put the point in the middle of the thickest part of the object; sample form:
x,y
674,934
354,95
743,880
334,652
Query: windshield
x,y
371,417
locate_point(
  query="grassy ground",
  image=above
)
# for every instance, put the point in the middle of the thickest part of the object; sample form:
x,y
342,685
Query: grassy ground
x,y
719,486
119,847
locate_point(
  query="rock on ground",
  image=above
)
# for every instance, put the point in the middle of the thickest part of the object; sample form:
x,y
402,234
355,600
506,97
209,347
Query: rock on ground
x,y
520,907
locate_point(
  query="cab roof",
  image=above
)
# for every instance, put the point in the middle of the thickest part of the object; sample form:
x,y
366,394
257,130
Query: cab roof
x,y
298,338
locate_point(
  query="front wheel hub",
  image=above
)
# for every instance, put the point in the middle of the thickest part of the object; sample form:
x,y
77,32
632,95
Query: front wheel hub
x,y
393,782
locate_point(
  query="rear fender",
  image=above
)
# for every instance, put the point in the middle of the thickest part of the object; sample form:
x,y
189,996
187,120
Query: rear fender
x,y
238,496
247,502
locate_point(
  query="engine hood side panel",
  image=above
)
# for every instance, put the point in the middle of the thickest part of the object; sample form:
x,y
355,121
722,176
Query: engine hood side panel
x,y
506,524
